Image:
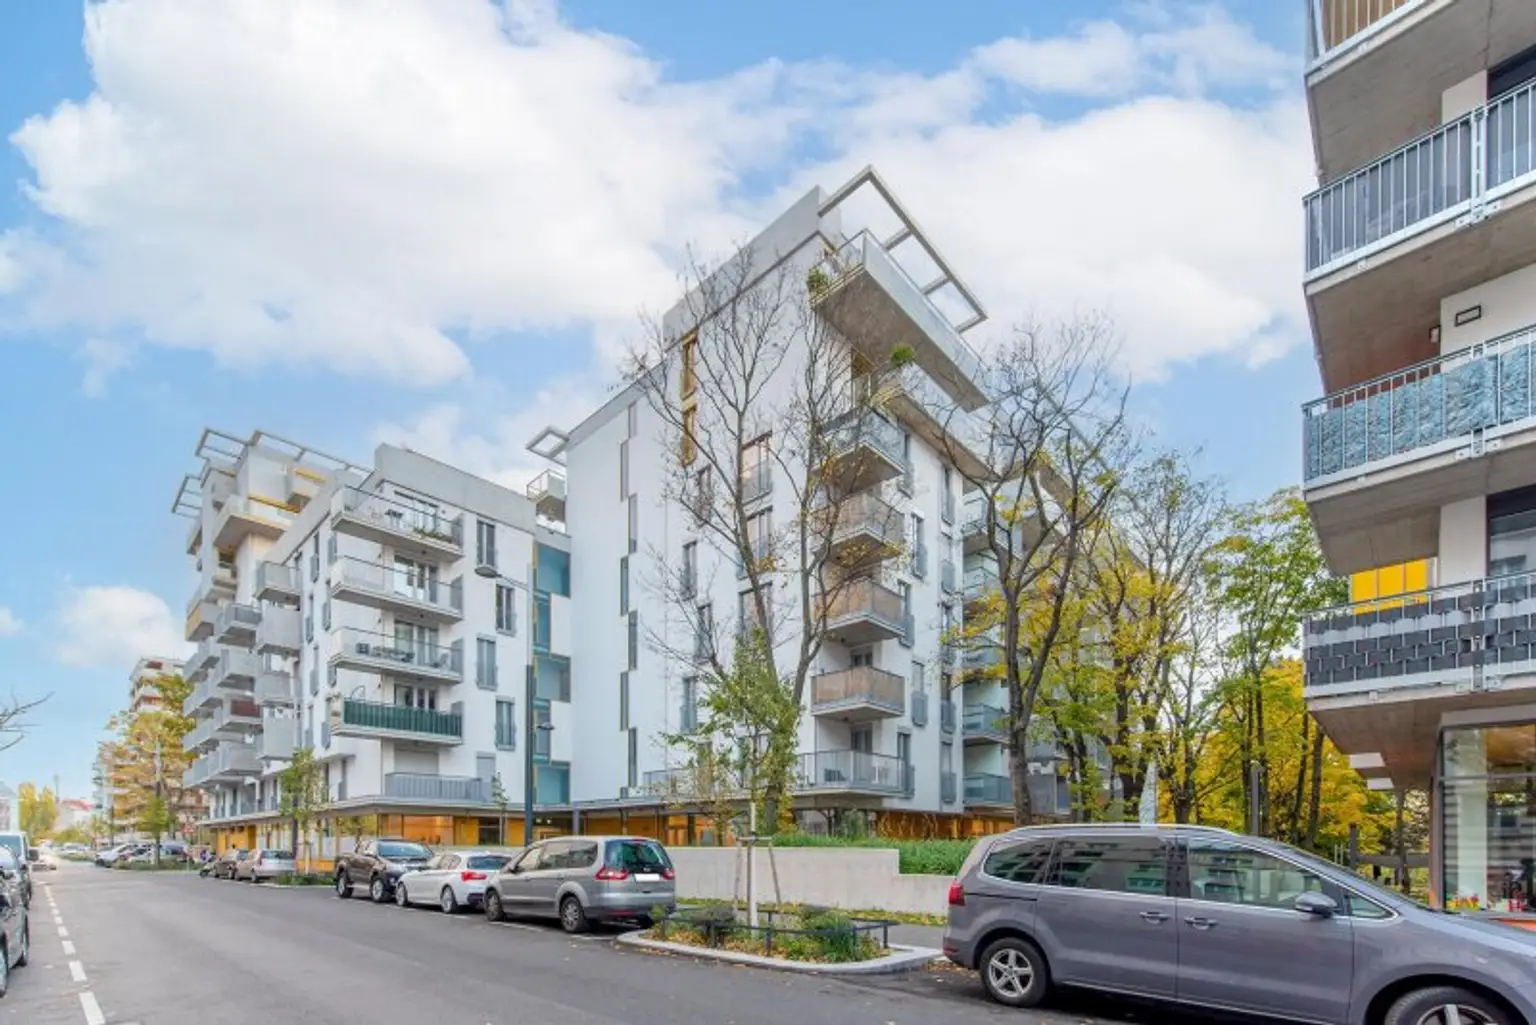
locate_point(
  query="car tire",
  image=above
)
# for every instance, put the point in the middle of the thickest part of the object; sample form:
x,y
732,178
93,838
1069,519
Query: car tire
x,y
493,910
5,970
402,898
448,902
573,917
343,885
26,946
378,890
1417,1006
1014,972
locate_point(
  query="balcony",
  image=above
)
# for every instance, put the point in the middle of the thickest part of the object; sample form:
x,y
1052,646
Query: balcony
x,y
351,717
984,724
228,763
279,737
396,589
238,715
237,624
863,450
1377,69
277,582
215,586
871,300
1385,243
865,530
278,632
984,655
303,484
434,789
853,772
410,530
861,611
1379,674
203,696
201,617
244,516
380,653
274,689
958,436
1382,458
202,660
988,789
547,493
858,694
235,670
982,584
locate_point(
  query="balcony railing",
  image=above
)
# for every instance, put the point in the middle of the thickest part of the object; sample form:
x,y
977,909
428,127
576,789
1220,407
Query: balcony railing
x,y
988,788
860,685
235,669
276,581
853,770
865,599
393,655
1334,26
981,582
377,715
862,427
865,514
947,716
393,583
984,722
274,687
1460,633
236,620
427,786
399,518
1431,180
1434,406
279,736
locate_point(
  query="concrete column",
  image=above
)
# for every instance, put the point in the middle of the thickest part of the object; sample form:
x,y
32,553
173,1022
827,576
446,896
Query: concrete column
x,y
1463,541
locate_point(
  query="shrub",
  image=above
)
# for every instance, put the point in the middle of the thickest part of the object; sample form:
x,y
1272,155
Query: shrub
x,y
917,857
832,933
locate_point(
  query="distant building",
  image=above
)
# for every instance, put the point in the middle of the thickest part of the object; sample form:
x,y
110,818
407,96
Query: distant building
x,y
7,803
143,691
74,813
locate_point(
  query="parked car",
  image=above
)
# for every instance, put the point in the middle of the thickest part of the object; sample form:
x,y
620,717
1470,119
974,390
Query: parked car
x,y
107,855
265,863
224,866
25,855
15,922
144,854
452,879
1209,918
377,864
582,879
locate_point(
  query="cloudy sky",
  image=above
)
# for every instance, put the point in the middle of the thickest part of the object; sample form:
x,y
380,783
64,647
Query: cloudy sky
x,y
436,221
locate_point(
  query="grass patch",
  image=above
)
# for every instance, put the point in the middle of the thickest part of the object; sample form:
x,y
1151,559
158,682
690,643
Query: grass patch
x,y
917,857
812,935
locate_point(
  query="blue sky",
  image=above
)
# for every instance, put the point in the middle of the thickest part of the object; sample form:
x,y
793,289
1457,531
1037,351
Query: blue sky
x,y
435,221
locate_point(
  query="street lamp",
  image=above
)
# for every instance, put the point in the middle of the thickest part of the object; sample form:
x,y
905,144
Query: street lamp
x,y
489,572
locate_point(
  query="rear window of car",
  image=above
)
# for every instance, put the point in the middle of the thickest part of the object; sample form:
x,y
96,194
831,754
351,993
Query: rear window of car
x,y
12,842
403,850
488,861
1018,861
278,855
636,856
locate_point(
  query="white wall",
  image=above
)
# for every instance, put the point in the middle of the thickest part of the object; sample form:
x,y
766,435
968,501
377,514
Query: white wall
x,y
1463,541
1464,96
1508,304
856,879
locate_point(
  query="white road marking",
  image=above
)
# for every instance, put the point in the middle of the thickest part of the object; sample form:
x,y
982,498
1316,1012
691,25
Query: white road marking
x,y
77,971
57,920
92,1009
63,931
69,949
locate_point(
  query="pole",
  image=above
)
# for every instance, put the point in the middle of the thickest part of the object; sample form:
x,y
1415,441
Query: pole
x,y
533,626
1253,799
752,864
159,803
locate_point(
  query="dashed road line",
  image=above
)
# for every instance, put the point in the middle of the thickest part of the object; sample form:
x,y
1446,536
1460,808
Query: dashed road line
x,y
77,971
92,1009
69,949
63,932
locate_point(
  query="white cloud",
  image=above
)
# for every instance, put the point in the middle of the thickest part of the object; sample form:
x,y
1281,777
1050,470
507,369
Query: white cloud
x,y
102,357
363,184
112,627
10,624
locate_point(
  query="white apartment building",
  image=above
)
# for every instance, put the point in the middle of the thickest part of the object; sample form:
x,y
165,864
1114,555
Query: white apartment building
x,y
381,617
1420,280
142,689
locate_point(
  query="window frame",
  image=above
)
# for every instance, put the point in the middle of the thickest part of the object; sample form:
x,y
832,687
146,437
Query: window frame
x,y
1173,869
1042,874
1331,886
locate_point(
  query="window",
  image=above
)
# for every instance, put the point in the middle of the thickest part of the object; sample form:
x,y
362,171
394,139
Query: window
x,y
632,420
624,469
623,584
704,631
552,677
690,447
688,719
415,580
947,497
1022,862
506,610
634,756
904,748
703,493
946,685
309,627
634,523
325,614
690,576
919,548
485,544
1361,907
506,725
919,677
415,697
485,663
417,640
760,538
746,609
756,469
552,571
624,700
1119,864
541,729
541,626
1512,532
1229,873
634,640
946,757
690,379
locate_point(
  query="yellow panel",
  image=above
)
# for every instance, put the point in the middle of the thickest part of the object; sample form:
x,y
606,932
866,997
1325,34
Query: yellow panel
x,y
1362,585
466,832
1416,576
1389,581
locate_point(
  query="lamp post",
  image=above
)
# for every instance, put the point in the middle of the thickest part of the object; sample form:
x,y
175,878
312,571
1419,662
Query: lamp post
x,y
489,572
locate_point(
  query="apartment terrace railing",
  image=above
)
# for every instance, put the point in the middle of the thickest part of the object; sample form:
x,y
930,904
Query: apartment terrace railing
x,y
1439,405
863,427
276,581
1448,173
988,788
389,653
858,686
984,722
396,584
427,786
399,518
865,514
378,715
237,621
1337,26
853,770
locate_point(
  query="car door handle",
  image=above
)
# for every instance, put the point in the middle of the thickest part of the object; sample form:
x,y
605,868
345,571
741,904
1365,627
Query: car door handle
x,y
1203,924
1153,916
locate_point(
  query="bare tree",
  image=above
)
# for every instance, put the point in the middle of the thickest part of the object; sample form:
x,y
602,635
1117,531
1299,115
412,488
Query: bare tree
x,y
13,719
1044,462
757,393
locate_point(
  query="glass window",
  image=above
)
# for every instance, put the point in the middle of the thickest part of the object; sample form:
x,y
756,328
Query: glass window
x,y
623,584
690,580
552,677
1017,862
506,609
634,756
485,662
624,469
530,860
636,856
400,849
624,700
1121,864
634,640
1489,751
634,523
506,724
553,571
1360,907
1229,873
1512,532
487,862
485,544
541,627
552,783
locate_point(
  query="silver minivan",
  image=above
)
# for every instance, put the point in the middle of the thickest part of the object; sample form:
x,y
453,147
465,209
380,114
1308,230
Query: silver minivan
x,y
1208,918
582,879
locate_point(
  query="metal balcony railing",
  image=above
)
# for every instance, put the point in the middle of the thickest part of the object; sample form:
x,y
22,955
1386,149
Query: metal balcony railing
x,y
349,642
235,619
981,581
988,788
865,599
853,770
399,518
427,786
378,715
1437,177
866,513
274,579
1334,26
863,427
986,721
859,685
1434,406
393,582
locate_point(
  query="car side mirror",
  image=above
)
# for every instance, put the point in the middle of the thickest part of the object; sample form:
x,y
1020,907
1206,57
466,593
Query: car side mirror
x,y
1318,904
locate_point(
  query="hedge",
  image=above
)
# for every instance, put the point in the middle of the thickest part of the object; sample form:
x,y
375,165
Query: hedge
x,y
918,857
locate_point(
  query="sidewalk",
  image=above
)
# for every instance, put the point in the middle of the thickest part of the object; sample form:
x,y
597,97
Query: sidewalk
x,y
918,936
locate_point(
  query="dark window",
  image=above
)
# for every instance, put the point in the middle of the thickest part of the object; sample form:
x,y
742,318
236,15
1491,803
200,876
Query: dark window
x,y
1119,864
1018,862
1360,907
1223,871
488,862
581,855
1512,532
636,856
1512,74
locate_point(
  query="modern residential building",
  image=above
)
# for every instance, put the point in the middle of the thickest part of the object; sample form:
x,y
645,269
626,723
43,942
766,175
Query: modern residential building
x,y
142,689
1420,282
382,618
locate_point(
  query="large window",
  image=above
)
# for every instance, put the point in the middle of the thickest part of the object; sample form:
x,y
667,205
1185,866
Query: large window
x,y
1121,864
506,609
1018,862
552,677
506,725
553,572
1488,814
1229,873
1512,532
485,543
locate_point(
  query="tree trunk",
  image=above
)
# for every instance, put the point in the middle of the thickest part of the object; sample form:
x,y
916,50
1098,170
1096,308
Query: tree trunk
x,y
1265,826
1315,799
1018,773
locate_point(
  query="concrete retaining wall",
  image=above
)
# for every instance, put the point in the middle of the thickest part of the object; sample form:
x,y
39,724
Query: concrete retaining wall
x,y
855,878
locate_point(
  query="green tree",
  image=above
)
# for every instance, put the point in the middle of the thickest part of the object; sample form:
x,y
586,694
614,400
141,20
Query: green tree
x,y
301,784
502,800
146,758
37,810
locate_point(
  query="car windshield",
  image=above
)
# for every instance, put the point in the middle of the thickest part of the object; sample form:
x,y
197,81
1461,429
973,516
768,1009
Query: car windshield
x,y
12,842
636,856
488,861
403,850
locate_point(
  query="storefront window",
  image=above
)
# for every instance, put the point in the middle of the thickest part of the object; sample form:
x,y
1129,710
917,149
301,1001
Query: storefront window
x,y
1488,811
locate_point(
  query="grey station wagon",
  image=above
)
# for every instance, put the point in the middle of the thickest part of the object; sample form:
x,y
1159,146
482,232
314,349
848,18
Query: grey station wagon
x,y
1212,919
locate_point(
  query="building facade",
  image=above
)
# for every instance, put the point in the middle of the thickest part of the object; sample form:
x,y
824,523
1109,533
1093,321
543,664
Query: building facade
x,y
142,690
1420,281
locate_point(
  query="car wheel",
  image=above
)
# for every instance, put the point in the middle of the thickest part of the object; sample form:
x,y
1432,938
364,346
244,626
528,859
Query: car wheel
x,y
493,912
572,916
401,897
377,891
447,901
1446,1005
1014,973
5,970
343,885
26,945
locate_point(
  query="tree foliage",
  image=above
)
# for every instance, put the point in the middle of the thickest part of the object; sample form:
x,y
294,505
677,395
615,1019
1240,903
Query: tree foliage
x,y
36,810
144,760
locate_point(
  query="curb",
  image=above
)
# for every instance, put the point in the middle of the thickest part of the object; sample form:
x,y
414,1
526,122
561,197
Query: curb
x,y
901,959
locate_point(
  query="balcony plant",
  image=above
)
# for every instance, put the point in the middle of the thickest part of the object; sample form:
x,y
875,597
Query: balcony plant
x,y
817,282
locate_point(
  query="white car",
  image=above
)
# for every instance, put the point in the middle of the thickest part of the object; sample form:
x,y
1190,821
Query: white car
x,y
452,879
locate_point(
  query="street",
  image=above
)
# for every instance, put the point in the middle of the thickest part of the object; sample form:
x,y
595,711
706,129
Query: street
x,y
173,949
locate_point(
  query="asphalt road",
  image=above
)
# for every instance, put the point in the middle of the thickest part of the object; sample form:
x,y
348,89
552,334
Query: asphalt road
x,y
178,950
